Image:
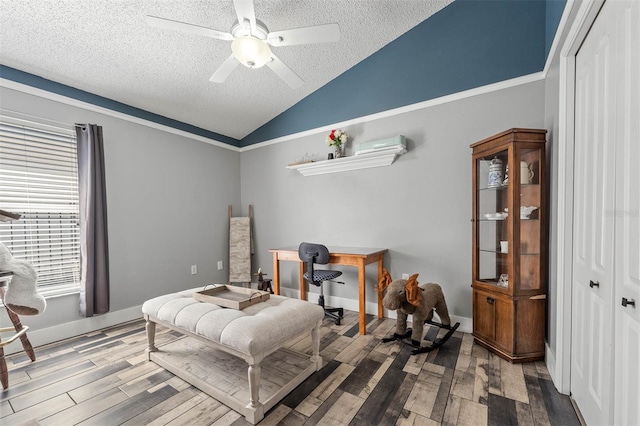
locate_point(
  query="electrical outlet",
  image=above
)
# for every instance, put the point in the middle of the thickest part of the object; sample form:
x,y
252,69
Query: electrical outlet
x,y
194,269
219,265
405,276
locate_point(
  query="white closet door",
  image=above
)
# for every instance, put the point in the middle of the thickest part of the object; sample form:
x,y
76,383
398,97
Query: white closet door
x,y
627,218
593,286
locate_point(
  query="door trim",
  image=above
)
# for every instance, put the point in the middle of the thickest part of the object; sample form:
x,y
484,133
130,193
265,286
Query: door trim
x,y
585,13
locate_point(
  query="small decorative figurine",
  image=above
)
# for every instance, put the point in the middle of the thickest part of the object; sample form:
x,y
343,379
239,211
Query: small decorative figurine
x,y
263,284
495,173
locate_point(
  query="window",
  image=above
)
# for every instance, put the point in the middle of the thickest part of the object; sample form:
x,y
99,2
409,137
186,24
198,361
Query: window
x,y
39,180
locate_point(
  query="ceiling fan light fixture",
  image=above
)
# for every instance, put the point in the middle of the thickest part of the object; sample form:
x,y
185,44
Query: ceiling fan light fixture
x,y
251,51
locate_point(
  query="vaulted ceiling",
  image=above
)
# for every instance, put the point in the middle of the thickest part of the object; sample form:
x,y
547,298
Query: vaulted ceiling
x,y
106,48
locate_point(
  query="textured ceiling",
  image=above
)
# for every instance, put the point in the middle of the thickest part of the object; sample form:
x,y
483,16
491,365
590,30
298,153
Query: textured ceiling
x,y
105,47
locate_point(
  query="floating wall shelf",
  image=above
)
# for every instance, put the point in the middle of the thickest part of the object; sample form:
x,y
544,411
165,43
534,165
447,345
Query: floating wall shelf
x,y
354,162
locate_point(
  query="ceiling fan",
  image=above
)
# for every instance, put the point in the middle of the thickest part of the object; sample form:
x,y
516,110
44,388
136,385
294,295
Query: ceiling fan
x,y
250,41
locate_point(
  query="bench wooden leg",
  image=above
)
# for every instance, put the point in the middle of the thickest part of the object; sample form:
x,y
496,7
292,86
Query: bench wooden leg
x,y
255,409
315,346
151,336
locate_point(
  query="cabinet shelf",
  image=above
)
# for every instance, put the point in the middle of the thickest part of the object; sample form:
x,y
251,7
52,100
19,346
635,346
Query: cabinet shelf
x,y
493,283
502,220
493,188
354,162
505,254
503,187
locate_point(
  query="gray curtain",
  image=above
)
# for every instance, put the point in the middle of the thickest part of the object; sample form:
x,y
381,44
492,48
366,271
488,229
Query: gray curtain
x,y
94,268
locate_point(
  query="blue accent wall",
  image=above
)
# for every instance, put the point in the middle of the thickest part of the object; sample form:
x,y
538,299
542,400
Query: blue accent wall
x,y
71,92
554,11
468,44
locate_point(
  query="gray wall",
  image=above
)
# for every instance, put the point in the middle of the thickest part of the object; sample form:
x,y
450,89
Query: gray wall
x,y
557,143
552,114
167,198
419,207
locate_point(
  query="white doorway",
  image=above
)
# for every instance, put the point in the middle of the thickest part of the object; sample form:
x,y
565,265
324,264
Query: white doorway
x,y
599,337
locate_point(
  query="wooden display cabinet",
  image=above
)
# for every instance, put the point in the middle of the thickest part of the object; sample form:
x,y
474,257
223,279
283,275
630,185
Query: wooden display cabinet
x,y
509,250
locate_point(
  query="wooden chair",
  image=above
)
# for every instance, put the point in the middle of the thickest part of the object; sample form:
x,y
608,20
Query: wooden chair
x,y
20,332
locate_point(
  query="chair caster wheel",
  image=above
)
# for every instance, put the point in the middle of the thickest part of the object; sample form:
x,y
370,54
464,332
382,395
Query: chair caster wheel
x,y
338,321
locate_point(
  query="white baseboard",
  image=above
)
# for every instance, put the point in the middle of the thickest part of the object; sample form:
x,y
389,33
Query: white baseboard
x,y
466,324
551,363
75,328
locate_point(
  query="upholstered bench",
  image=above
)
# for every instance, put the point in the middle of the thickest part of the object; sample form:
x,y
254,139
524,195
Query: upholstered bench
x,y
222,340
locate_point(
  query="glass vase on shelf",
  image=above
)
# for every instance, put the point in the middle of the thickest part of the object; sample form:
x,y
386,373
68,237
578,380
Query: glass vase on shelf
x,y
337,139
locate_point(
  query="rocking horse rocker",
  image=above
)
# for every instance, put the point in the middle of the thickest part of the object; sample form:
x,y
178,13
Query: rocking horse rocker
x,y
407,298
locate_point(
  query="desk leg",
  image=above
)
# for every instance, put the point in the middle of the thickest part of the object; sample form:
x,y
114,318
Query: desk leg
x,y
303,285
362,298
276,274
380,268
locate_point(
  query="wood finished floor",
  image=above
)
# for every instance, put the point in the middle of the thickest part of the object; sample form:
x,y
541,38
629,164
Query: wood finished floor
x,y
104,378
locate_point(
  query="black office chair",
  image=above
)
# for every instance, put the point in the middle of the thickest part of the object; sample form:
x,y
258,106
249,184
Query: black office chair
x,y
317,253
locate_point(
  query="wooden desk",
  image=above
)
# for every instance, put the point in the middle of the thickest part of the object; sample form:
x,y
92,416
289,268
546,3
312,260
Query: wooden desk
x,y
350,256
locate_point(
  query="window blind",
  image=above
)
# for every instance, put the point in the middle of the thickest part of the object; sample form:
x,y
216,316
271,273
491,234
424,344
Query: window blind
x,y
39,180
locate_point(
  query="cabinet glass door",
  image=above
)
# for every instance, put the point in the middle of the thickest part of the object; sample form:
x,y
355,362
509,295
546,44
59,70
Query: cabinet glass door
x,y
530,219
492,228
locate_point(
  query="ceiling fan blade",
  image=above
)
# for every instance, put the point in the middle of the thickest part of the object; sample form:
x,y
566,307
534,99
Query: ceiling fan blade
x,y
225,69
245,12
284,72
317,34
158,22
